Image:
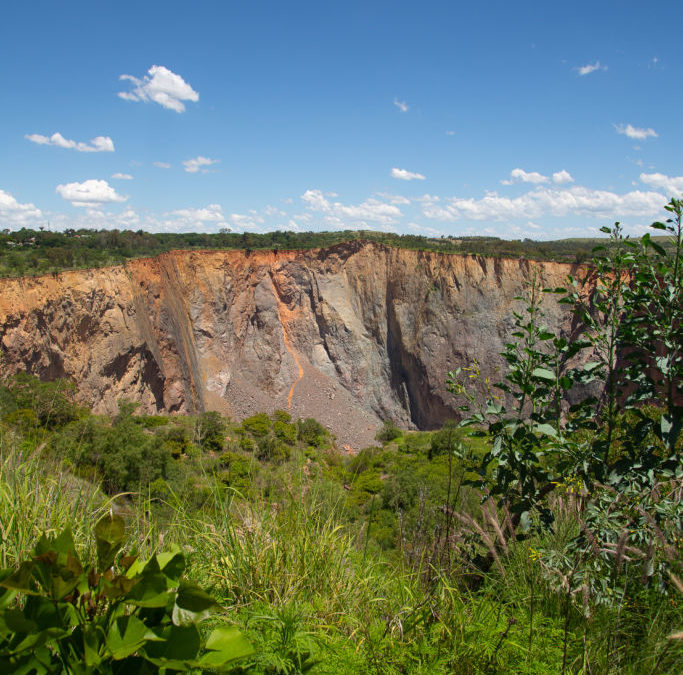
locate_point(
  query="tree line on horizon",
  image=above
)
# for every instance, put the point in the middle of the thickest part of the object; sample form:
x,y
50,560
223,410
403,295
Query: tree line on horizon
x,y
28,252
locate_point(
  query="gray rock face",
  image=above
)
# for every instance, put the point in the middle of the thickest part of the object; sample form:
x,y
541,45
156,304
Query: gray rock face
x,y
350,335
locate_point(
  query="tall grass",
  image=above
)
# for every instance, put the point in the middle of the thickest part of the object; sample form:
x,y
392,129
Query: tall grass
x,y
300,581
37,496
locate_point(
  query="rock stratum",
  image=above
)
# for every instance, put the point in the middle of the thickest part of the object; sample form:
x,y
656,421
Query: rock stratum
x,y
350,335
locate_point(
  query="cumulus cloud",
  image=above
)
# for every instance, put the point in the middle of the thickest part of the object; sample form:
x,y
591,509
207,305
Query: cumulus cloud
x,y
671,185
89,193
590,68
636,133
401,105
122,176
162,86
199,164
243,221
428,231
198,219
97,144
394,199
337,214
162,165
15,214
562,177
521,176
210,213
546,201
403,174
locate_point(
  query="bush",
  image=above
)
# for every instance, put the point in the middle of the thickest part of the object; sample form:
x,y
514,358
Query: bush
x,y
210,430
388,432
134,616
311,432
285,432
257,425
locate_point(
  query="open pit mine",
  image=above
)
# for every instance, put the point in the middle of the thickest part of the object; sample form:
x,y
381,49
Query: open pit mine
x,y
351,335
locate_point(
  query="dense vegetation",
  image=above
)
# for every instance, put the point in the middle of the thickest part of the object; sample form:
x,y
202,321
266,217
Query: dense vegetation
x,y
30,252
533,538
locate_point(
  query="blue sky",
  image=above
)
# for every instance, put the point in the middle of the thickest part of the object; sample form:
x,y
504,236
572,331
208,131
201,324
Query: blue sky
x,y
527,119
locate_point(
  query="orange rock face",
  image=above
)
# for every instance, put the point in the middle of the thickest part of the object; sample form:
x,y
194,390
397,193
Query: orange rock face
x,y
350,335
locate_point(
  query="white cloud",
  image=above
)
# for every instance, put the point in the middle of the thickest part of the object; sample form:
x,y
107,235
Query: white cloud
x,y
671,185
401,105
545,201
635,132
122,176
210,213
246,222
271,210
402,174
428,231
15,214
590,68
190,219
521,176
162,165
562,177
450,133
162,86
394,199
341,215
97,144
89,193
197,164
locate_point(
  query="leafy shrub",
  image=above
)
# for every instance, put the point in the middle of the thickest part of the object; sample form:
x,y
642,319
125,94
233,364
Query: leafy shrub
x,y
612,451
272,449
257,425
282,416
311,432
237,471
445,440
134,616
210,430
388,432
52,402
285,432
177,440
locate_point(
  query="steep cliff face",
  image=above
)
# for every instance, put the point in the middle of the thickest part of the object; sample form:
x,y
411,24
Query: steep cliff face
x,y
350,335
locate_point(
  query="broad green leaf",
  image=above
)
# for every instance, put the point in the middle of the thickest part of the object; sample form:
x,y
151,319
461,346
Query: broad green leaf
x,y
7,596
91,645
61,545
566,382
21,579
126,635
543,374
119,585
179,645
16,622
150,591
35,640
65,577
109,535
546,429
172,563
192,604
657,247
224,645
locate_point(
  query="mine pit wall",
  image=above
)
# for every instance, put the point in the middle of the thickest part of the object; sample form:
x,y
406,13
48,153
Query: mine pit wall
x,y
352,335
